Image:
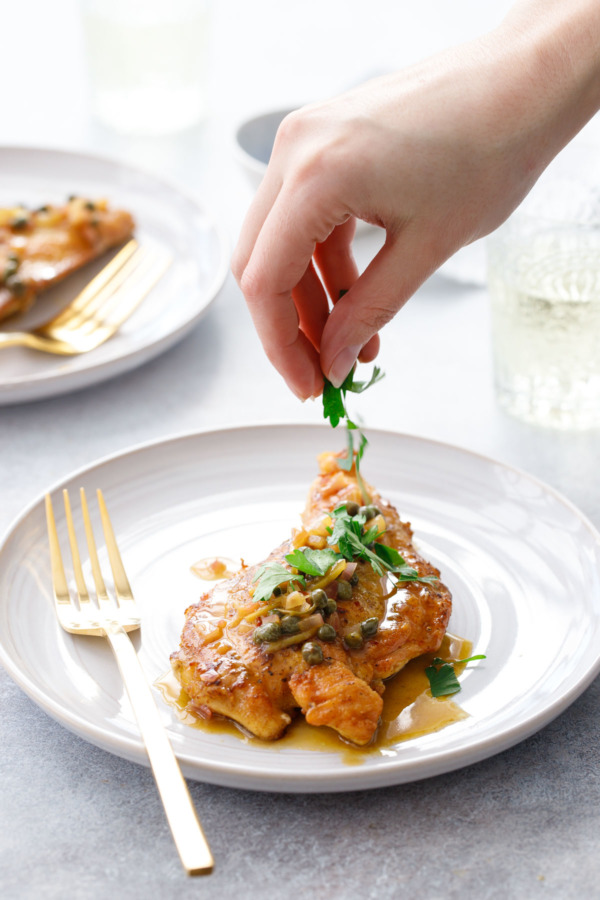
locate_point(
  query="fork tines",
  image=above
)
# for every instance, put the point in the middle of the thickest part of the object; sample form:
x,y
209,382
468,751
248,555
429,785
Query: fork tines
x,y
90,617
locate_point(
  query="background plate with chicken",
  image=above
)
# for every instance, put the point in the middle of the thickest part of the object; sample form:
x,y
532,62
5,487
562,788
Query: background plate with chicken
x,y
165,218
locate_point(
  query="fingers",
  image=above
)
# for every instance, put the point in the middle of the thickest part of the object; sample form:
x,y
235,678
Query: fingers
x,y
278,271
272,309
370,351
312,305
335,259
339,271
392,277
263,201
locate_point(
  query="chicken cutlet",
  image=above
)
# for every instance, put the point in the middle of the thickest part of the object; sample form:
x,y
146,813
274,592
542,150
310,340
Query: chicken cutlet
x,y
40,247
318,627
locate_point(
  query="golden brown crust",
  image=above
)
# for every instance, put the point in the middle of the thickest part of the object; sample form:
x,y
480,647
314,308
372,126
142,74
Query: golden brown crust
x,y
38,248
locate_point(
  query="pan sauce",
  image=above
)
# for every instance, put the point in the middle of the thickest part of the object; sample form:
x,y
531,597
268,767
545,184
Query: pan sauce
x,y
409,711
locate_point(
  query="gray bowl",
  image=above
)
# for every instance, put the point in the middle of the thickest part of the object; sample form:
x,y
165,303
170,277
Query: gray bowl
x,y
254,141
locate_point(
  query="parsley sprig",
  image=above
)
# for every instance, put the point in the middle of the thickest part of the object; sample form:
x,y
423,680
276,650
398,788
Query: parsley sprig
x,y
442,676
354,542
334,409
270,576
313,562
334,399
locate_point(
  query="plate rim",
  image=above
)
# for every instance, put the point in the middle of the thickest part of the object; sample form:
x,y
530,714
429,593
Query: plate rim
x,y
25,389
235,775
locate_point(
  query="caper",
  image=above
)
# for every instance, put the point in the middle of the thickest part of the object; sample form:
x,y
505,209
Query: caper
x,y
42,209
267,633
12,264
344,590
354,579
330,606
277,591
354,640
319,598
19,222
290,625
312,653
15,286
369,627
352,508
89,205
369,512
326,633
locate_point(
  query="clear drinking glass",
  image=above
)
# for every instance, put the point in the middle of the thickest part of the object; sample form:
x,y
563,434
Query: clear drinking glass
x,y
147,63
544,283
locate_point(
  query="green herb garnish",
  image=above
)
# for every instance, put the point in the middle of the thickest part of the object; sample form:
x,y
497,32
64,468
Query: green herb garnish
x,y
334,399
347,534
442,677
313,562
334,409
269,576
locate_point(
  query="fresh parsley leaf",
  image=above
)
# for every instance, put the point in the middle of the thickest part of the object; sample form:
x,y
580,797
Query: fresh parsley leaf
x,y
347,462
346,529
347,535
442,677
271,575
370,534
312,562
361,449
334,399
395,563
334,407
390,557
357,387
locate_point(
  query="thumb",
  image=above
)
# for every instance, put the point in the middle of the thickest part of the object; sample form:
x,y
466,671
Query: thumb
x,y
392,277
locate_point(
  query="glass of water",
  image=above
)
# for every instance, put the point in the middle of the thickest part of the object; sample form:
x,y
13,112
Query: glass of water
x,y
147,63
544,284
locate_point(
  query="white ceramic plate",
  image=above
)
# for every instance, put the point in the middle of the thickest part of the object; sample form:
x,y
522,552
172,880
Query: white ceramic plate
x,y
522,562
165,218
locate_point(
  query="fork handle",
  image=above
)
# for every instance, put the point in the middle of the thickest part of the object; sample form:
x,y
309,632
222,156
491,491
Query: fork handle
x,y
34,342
186,830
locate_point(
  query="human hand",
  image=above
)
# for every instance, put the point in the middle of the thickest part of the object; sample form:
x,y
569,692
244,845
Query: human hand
x,y
438,155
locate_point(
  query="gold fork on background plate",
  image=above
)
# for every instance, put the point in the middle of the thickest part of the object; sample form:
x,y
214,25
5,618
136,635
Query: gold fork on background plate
x,y
112,618
101,307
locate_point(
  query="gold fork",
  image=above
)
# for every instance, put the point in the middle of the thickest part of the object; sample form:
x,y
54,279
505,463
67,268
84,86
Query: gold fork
x,y
101,307
113,620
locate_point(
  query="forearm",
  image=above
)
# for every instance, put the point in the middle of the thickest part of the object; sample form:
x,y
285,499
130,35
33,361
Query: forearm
x,y
557,42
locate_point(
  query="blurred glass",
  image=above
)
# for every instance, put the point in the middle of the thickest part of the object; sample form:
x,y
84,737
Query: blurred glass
x,y
544,282
148,62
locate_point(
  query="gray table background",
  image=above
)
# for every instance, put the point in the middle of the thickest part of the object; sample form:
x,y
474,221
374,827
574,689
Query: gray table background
x,y
76,822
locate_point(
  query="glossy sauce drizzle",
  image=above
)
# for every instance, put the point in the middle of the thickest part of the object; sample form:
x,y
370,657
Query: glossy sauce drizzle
x,y
214,568
409,711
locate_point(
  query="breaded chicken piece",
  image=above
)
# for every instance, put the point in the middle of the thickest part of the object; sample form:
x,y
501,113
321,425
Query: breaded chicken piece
x,y
263,685
40,247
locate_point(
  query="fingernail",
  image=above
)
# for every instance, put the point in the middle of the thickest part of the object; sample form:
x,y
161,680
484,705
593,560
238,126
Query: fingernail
x,y
300,396
342,364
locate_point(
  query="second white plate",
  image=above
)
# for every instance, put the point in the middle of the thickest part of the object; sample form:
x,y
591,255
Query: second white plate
x,y
523,565
165,218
